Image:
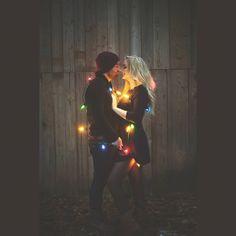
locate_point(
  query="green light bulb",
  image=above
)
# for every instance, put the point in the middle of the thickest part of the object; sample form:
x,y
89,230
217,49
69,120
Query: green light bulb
x,y
82,107
132,126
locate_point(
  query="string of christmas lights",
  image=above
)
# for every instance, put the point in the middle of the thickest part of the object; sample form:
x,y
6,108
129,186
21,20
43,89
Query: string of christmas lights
x,y
126,150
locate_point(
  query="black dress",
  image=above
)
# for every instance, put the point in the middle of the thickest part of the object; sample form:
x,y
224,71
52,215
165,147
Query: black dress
x,y
135,140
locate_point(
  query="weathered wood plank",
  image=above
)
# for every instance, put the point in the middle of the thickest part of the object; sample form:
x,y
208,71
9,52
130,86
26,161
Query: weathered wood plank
x,y
192,109
147,124
102,25
147,32
57,44
79,35
90,34
45,37
193,35
59,111
113,36
89,156
68,35
124,28
159,125
112,19
177,119
70,132
135,28
82,138
180,34
160,34
41,146
47,150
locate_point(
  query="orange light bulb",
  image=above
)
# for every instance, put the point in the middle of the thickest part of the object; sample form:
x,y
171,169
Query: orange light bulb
x,y
132,162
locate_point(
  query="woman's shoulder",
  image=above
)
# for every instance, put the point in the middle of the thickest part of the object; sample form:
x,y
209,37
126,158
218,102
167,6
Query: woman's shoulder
x,y
140,90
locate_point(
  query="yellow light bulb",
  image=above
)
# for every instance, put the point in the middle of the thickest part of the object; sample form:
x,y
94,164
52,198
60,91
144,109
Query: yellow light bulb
x,y
138,164
81,129
128,129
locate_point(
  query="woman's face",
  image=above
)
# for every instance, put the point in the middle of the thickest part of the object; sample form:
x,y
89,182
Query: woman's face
x,y
125,74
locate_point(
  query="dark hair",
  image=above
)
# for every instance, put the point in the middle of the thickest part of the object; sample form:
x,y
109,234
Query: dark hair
x,y
105,61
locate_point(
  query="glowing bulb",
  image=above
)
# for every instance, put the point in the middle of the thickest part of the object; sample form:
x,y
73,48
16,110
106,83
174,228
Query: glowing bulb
x,y
148,109
126,96
118,93
128,129
82,107
126,151
103,147
110,89
90,78
81,129
132,162
138,164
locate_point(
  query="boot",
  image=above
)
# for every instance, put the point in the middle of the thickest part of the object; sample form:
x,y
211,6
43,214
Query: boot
x,y
99,221
129,225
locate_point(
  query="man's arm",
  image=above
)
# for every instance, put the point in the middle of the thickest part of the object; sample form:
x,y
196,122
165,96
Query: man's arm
x,y
97,107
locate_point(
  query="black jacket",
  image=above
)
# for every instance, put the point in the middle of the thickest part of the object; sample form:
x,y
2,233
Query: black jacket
x,y
103,121
135,107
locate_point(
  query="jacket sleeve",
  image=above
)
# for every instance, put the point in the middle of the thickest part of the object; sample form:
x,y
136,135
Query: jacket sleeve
x,y
140,100
98,104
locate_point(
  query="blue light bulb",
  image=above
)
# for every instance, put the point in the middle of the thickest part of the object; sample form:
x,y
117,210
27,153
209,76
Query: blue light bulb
x,y
110,89
148,109
103,147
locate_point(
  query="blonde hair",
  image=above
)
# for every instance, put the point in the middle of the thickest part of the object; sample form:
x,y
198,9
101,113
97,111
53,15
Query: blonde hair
x,y
137,68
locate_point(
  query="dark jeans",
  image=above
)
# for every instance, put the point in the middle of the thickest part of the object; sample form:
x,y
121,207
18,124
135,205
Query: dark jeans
x,y
119,171
103,161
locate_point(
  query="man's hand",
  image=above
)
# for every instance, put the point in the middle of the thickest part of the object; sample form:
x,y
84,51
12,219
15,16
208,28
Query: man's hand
x,y
118,143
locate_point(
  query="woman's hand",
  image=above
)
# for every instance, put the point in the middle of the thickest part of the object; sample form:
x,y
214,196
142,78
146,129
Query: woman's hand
x,y
114,101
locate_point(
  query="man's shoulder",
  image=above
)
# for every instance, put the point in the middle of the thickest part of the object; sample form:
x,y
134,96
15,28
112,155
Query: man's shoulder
x,y
96,86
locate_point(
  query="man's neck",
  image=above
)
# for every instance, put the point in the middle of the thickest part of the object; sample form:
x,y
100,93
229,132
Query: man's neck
x,y
107,77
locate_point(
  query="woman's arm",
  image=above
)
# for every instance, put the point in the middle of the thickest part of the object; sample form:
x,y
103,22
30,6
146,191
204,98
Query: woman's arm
x,y
120,112
140,99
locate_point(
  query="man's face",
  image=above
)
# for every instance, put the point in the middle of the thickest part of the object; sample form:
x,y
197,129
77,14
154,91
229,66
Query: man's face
x,y
114,72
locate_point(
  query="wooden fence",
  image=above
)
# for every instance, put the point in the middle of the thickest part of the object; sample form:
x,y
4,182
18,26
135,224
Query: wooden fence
x,y
72,33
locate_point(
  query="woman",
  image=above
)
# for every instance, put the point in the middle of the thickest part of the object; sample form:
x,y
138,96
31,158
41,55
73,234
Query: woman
x,y
136,98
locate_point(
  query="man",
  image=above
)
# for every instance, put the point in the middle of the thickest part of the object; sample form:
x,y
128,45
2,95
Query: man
x,y
104,140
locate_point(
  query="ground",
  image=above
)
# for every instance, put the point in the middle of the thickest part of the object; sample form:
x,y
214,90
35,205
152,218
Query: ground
x,y
169,214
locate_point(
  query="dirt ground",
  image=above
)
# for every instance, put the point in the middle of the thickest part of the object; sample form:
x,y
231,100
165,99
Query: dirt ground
x,y
169,214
